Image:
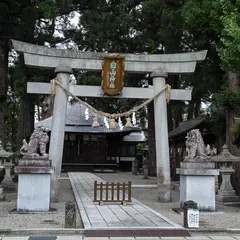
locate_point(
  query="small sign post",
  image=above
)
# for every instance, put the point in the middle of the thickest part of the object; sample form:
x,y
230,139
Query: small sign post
x,y
193,218
191,215
113,75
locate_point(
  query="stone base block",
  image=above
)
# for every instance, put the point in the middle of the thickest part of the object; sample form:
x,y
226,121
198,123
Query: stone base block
x,y
33,192
226,199
200,189
164,193
226,196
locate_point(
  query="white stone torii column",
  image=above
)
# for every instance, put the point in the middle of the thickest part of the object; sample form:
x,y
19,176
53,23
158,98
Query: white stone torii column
x,y
58,128
161,133
43,57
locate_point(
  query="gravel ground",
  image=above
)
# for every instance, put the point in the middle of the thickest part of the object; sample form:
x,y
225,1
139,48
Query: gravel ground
x,y
225,217
37,220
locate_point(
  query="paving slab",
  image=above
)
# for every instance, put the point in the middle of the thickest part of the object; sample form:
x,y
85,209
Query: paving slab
x,y
222,238
147,238
95,238
15,238
69,238
198,238
43,238
173,238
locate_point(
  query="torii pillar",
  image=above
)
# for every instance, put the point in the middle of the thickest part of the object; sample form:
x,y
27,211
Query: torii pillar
x,y
161,137
58,128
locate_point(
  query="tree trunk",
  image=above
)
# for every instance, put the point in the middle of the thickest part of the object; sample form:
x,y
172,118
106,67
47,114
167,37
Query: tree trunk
x,y
27,103
3,83
177,114
190,109
197,107
234,86
26,119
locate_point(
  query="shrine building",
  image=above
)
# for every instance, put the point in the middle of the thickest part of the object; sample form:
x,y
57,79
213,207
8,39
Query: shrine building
x,y
90,148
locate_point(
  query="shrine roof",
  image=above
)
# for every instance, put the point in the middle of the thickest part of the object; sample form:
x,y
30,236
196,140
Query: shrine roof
x,y
77,122
185,126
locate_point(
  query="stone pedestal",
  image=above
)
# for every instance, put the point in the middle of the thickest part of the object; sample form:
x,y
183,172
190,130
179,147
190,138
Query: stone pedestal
x,y
197,183
34,180
226,193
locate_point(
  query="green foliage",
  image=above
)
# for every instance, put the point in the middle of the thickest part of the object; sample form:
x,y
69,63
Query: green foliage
x,y
217,122
48,8
11,121
229,50
227,99
203,16
218,21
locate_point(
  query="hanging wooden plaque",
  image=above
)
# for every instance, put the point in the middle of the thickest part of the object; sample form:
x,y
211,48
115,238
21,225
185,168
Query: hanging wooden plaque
x,y
113,75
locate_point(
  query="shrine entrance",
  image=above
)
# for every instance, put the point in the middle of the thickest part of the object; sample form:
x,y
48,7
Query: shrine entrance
x,y
158,65
85,155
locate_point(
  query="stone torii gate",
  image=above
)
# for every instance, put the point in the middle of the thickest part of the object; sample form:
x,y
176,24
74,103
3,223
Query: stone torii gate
x,y
65,60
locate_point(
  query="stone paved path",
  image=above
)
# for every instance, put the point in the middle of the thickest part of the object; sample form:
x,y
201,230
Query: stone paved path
x,y
117,215
135,219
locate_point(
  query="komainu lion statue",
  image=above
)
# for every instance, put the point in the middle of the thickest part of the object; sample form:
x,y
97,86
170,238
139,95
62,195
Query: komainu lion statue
x,y
37,144
195,147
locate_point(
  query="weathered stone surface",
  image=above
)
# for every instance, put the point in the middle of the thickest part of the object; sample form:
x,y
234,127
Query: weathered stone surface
x,y
195,172
35,162
225,156
23,169
63,69
33,192
34,166
95,91
226,193
37,49
34,176
38,140
200,189
159,73
58,131
70,215
227,199
96,65
197,165
195,148
162,145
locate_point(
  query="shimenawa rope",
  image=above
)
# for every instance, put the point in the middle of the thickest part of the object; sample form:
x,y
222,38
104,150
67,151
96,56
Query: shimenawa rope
x,y
112,115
